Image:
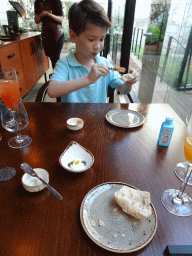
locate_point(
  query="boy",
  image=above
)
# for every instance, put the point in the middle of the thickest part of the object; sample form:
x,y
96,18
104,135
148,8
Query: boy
x,y
84,76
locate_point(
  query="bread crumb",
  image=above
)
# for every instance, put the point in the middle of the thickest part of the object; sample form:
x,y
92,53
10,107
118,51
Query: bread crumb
x,y
123,235
143,232
101,223
134,225
115,235
93,223
115,209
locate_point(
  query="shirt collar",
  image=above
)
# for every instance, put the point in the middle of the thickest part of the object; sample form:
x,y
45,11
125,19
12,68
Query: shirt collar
x,y
73,61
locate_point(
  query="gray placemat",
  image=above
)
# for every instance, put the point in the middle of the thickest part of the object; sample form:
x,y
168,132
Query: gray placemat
x,y
7,173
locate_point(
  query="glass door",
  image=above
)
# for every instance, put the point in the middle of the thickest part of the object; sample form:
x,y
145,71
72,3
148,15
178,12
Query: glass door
x,y
161,50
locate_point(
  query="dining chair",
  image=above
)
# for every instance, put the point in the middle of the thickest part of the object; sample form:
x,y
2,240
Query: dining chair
x,y
42,93
131,96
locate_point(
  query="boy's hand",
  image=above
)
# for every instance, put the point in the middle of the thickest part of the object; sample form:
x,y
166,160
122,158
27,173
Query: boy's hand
x,y
127,86
97,70
135,75
131,77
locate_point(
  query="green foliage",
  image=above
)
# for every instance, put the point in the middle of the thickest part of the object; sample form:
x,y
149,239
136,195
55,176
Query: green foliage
x,y
139,51
172,71
72,47
66,32
155,37
67,7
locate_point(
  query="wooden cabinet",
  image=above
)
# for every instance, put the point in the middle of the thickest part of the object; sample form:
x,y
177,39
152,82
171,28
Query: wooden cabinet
x,y
33,58
27,56
10,57
40,59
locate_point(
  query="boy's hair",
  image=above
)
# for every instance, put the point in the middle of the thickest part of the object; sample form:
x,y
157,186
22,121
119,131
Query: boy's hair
x,y
87,12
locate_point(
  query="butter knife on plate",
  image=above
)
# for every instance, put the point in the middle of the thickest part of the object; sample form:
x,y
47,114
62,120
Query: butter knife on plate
x,y
27,168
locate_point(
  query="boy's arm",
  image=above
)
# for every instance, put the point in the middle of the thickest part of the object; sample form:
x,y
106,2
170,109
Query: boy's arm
x,y
58,89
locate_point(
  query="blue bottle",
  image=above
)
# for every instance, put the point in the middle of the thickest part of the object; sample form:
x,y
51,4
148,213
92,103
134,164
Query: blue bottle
x,y
166,132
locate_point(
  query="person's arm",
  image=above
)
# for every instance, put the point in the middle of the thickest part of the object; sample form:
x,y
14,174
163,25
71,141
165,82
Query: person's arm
x,y
37,18
56,18
58,89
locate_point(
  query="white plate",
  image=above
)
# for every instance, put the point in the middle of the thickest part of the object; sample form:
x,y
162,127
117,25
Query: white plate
x,y
74,152
122,233
125,118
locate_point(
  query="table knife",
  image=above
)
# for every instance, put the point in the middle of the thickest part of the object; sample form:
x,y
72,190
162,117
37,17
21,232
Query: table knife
x,y
27,168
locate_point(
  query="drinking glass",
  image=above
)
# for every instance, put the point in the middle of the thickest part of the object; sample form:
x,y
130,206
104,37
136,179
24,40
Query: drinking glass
x,y
7,119
181,168
176,201
10,96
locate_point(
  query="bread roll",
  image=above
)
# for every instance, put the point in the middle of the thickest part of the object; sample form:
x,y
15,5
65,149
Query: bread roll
x,y
127,77
134,202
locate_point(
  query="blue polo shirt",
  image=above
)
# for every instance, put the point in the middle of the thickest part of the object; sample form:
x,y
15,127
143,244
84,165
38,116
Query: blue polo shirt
x,y
69,68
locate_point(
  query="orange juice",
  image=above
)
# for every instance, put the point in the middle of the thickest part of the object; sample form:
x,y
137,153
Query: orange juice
x,y
188,148
9,93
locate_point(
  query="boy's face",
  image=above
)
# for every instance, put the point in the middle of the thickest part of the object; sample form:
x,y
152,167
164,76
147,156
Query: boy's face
x,y
90,42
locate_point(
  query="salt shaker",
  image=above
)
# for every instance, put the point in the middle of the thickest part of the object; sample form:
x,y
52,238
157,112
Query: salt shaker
x,y
166,131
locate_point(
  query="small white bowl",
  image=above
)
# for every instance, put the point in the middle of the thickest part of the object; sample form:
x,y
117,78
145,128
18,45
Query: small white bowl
x,y
75,123
75,153
33,184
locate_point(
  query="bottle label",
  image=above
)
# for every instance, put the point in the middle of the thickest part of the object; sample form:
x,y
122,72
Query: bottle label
x,y
166,136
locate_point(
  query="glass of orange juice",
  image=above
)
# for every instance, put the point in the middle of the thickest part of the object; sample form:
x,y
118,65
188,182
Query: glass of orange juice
x,y
176,201
181,168
10,96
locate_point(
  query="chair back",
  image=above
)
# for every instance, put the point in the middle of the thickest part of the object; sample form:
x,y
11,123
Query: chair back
x,y
42,93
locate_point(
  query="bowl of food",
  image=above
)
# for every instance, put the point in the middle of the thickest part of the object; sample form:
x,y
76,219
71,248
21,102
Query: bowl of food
x,y
33,184
75,123
75,158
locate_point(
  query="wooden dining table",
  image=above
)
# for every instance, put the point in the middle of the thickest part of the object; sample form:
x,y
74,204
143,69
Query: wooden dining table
x,y
39,223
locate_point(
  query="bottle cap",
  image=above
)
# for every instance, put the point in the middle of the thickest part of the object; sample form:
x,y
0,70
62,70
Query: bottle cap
x,y
169,118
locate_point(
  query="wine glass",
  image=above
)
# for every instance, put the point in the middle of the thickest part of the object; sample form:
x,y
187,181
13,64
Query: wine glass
x,y
176,201
9,93
181,168
7,119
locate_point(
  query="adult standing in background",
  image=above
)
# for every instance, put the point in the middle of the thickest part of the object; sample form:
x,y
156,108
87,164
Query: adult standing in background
x,y
50,13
